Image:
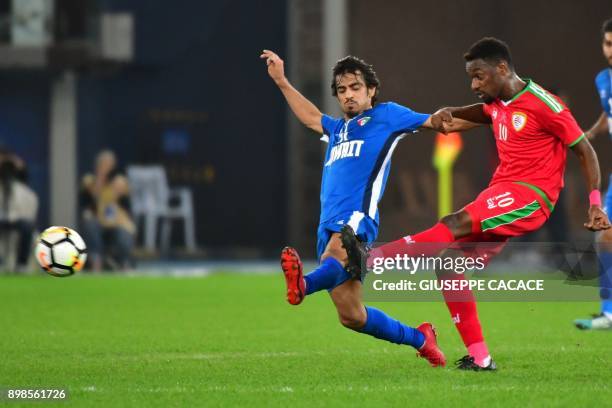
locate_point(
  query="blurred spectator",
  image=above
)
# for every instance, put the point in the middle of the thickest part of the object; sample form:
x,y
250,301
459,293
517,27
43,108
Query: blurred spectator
x,y
18,207
106,220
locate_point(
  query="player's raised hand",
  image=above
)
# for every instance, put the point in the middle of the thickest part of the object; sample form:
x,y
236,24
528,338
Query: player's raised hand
x,y
441,118
306,111
598,220
276,66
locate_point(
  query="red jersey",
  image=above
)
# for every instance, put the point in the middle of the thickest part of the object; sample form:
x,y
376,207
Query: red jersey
x,y
532,132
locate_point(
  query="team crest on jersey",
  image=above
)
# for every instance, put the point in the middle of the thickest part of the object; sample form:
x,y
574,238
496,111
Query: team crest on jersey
x,y
363,121
519,120
494,114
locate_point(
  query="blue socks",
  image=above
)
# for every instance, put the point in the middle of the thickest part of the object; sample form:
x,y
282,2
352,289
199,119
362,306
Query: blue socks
x,y
384,327
605,281
330,274
327,276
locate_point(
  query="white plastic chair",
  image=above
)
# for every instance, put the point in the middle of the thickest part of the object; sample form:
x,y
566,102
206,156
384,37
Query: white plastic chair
x,y
22,205
8,248
153,200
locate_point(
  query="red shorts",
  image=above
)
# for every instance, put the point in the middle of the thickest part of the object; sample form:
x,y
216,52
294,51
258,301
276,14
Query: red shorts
x,y
507,210
503,211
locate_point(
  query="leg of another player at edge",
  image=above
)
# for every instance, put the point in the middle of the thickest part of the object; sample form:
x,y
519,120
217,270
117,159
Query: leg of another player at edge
x,y
605,260
602,321
351,311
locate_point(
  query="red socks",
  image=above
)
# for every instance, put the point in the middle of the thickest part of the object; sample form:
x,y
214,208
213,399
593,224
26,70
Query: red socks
x,y
432,242
462,307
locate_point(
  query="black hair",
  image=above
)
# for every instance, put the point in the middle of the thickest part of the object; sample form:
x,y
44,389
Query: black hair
x,y
490,49
606,27
354,65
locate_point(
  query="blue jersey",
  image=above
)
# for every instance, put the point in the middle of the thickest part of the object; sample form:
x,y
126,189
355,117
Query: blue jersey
x,y
603,82
358,158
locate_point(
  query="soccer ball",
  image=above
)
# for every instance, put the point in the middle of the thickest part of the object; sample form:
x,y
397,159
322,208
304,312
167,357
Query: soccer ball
x,y
61,251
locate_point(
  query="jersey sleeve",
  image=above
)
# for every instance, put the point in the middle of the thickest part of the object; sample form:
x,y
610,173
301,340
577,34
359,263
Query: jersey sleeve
x,y
563,126
402,119
328,124
603,89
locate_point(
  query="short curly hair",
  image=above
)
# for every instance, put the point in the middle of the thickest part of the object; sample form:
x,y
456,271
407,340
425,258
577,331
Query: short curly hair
x,y
606,27
491,50
354,65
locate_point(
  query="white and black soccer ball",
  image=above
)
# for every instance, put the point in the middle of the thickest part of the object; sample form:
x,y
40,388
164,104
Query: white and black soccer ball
x,y
61,251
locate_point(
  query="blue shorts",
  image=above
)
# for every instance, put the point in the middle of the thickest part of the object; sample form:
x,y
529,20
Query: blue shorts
x,y
608,199
365,228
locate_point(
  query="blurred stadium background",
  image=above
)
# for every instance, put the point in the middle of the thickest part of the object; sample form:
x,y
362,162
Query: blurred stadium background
x,y
178,85
182,87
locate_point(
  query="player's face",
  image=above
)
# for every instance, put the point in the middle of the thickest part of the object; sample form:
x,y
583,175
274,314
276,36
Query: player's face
x,y
607,47
487,80
353,95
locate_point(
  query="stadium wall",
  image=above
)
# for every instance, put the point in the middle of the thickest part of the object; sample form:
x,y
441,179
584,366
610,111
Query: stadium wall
x,y
197,99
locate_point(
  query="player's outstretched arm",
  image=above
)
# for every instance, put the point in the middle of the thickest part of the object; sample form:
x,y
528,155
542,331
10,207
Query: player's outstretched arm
x,y
455,125
598,220
599,127
455,119
306,111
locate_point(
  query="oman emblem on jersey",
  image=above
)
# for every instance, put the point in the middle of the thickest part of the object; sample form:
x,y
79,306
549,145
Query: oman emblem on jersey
x,y
519,120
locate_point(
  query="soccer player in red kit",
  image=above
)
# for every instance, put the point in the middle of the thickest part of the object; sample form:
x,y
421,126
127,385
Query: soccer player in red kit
x,y
533,130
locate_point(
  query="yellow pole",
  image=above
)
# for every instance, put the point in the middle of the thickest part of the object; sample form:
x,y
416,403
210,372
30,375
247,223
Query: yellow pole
x,y
446,151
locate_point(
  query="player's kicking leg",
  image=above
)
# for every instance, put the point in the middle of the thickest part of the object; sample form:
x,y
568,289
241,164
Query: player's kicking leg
x,y
482,220
463,312
345,292
603,320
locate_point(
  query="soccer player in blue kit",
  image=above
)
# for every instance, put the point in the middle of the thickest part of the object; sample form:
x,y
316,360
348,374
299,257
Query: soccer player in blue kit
x,y
603,82
355,171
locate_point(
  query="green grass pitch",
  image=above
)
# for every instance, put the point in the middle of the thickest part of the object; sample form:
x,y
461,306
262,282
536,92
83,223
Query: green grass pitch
x,y
231,339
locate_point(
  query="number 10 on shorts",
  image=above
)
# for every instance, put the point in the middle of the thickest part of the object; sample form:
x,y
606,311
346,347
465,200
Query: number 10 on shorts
x,y
501,201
